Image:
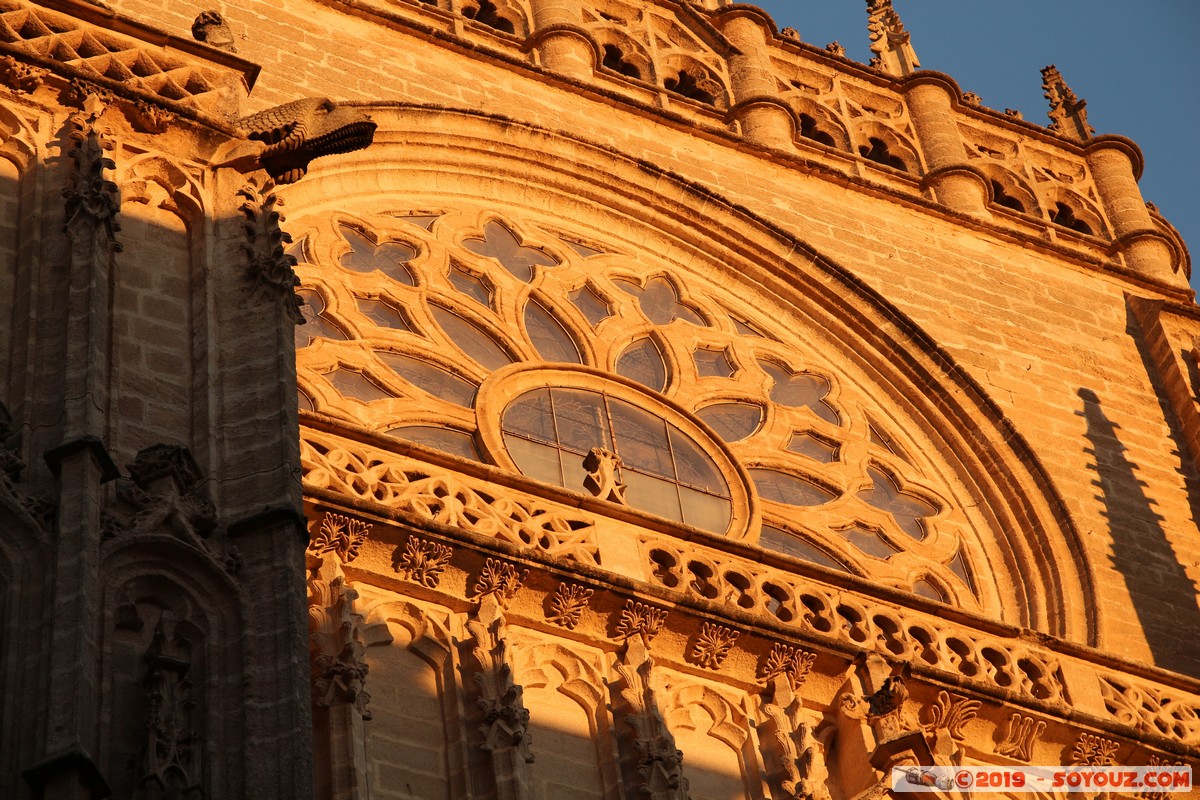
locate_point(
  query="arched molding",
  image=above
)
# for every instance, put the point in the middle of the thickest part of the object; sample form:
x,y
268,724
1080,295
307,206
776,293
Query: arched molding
x,y
823,120
16,137
1013,185
1035,549
25,601
415,630
184,197
677,68
160,571
868,133
1081,209
632,53
729,724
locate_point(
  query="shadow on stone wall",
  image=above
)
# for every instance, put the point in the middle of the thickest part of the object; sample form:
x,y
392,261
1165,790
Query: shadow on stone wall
x,y
1163,596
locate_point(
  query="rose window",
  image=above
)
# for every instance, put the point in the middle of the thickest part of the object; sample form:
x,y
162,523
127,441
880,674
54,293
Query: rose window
x,y
601,371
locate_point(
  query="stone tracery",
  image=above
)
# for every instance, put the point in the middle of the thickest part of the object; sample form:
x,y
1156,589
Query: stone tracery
x,y
413,358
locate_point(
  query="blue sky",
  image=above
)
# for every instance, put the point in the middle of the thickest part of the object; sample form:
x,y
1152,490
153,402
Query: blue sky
x,y
1135,62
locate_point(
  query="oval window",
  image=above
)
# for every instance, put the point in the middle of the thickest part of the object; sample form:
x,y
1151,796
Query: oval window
x,y
573,428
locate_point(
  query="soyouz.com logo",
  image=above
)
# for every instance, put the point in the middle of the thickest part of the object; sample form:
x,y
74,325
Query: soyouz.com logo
x,y
1041,779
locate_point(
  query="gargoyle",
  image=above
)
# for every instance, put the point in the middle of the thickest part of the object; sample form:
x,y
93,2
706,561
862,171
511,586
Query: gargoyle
x,y
295,133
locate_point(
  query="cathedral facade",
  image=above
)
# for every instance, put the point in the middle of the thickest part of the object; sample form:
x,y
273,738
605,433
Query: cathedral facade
x,y
573,399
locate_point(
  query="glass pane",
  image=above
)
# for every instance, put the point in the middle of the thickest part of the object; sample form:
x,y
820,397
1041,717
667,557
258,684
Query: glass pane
x,y
306,403
390,258
642,362
427,377
384,314
530,415
593,307
582,250
535,460
660,303
652,494
799,390
817,449
789,544
580,420
315,325
352,383
908,511
959,567
421,220
641,439
732,421
629,286
498,242
693,466
470,339
549,337
296,251
713,363
880,439
447,440
926,589
744,328
471,285
870,542
784,488
705,511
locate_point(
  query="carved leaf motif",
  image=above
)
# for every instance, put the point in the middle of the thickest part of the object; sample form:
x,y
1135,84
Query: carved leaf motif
x,y
422,561
500,579
792,662
640,618
713,645
950,713
341,535
1094,751
568,603
1021,735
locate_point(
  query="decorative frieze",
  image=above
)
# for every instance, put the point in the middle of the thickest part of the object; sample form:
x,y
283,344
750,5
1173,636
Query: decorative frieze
x,y
822,611
415,487
1151,710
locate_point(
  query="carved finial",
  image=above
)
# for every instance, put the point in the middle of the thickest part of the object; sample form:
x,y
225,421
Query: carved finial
x,y
604,475
835,47
889,41
1068,114
212,29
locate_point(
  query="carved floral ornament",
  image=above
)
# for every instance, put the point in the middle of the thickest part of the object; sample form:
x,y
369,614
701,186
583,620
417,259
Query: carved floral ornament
x,y
612,376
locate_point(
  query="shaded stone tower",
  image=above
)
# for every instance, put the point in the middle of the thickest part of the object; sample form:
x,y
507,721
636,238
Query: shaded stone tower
x,y
636,402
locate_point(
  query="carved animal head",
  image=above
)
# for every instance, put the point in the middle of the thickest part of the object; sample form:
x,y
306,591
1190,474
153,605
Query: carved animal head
x,y
302,130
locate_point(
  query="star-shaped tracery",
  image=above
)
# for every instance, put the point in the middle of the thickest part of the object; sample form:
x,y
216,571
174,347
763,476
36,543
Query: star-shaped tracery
x,y
500,243
834,484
